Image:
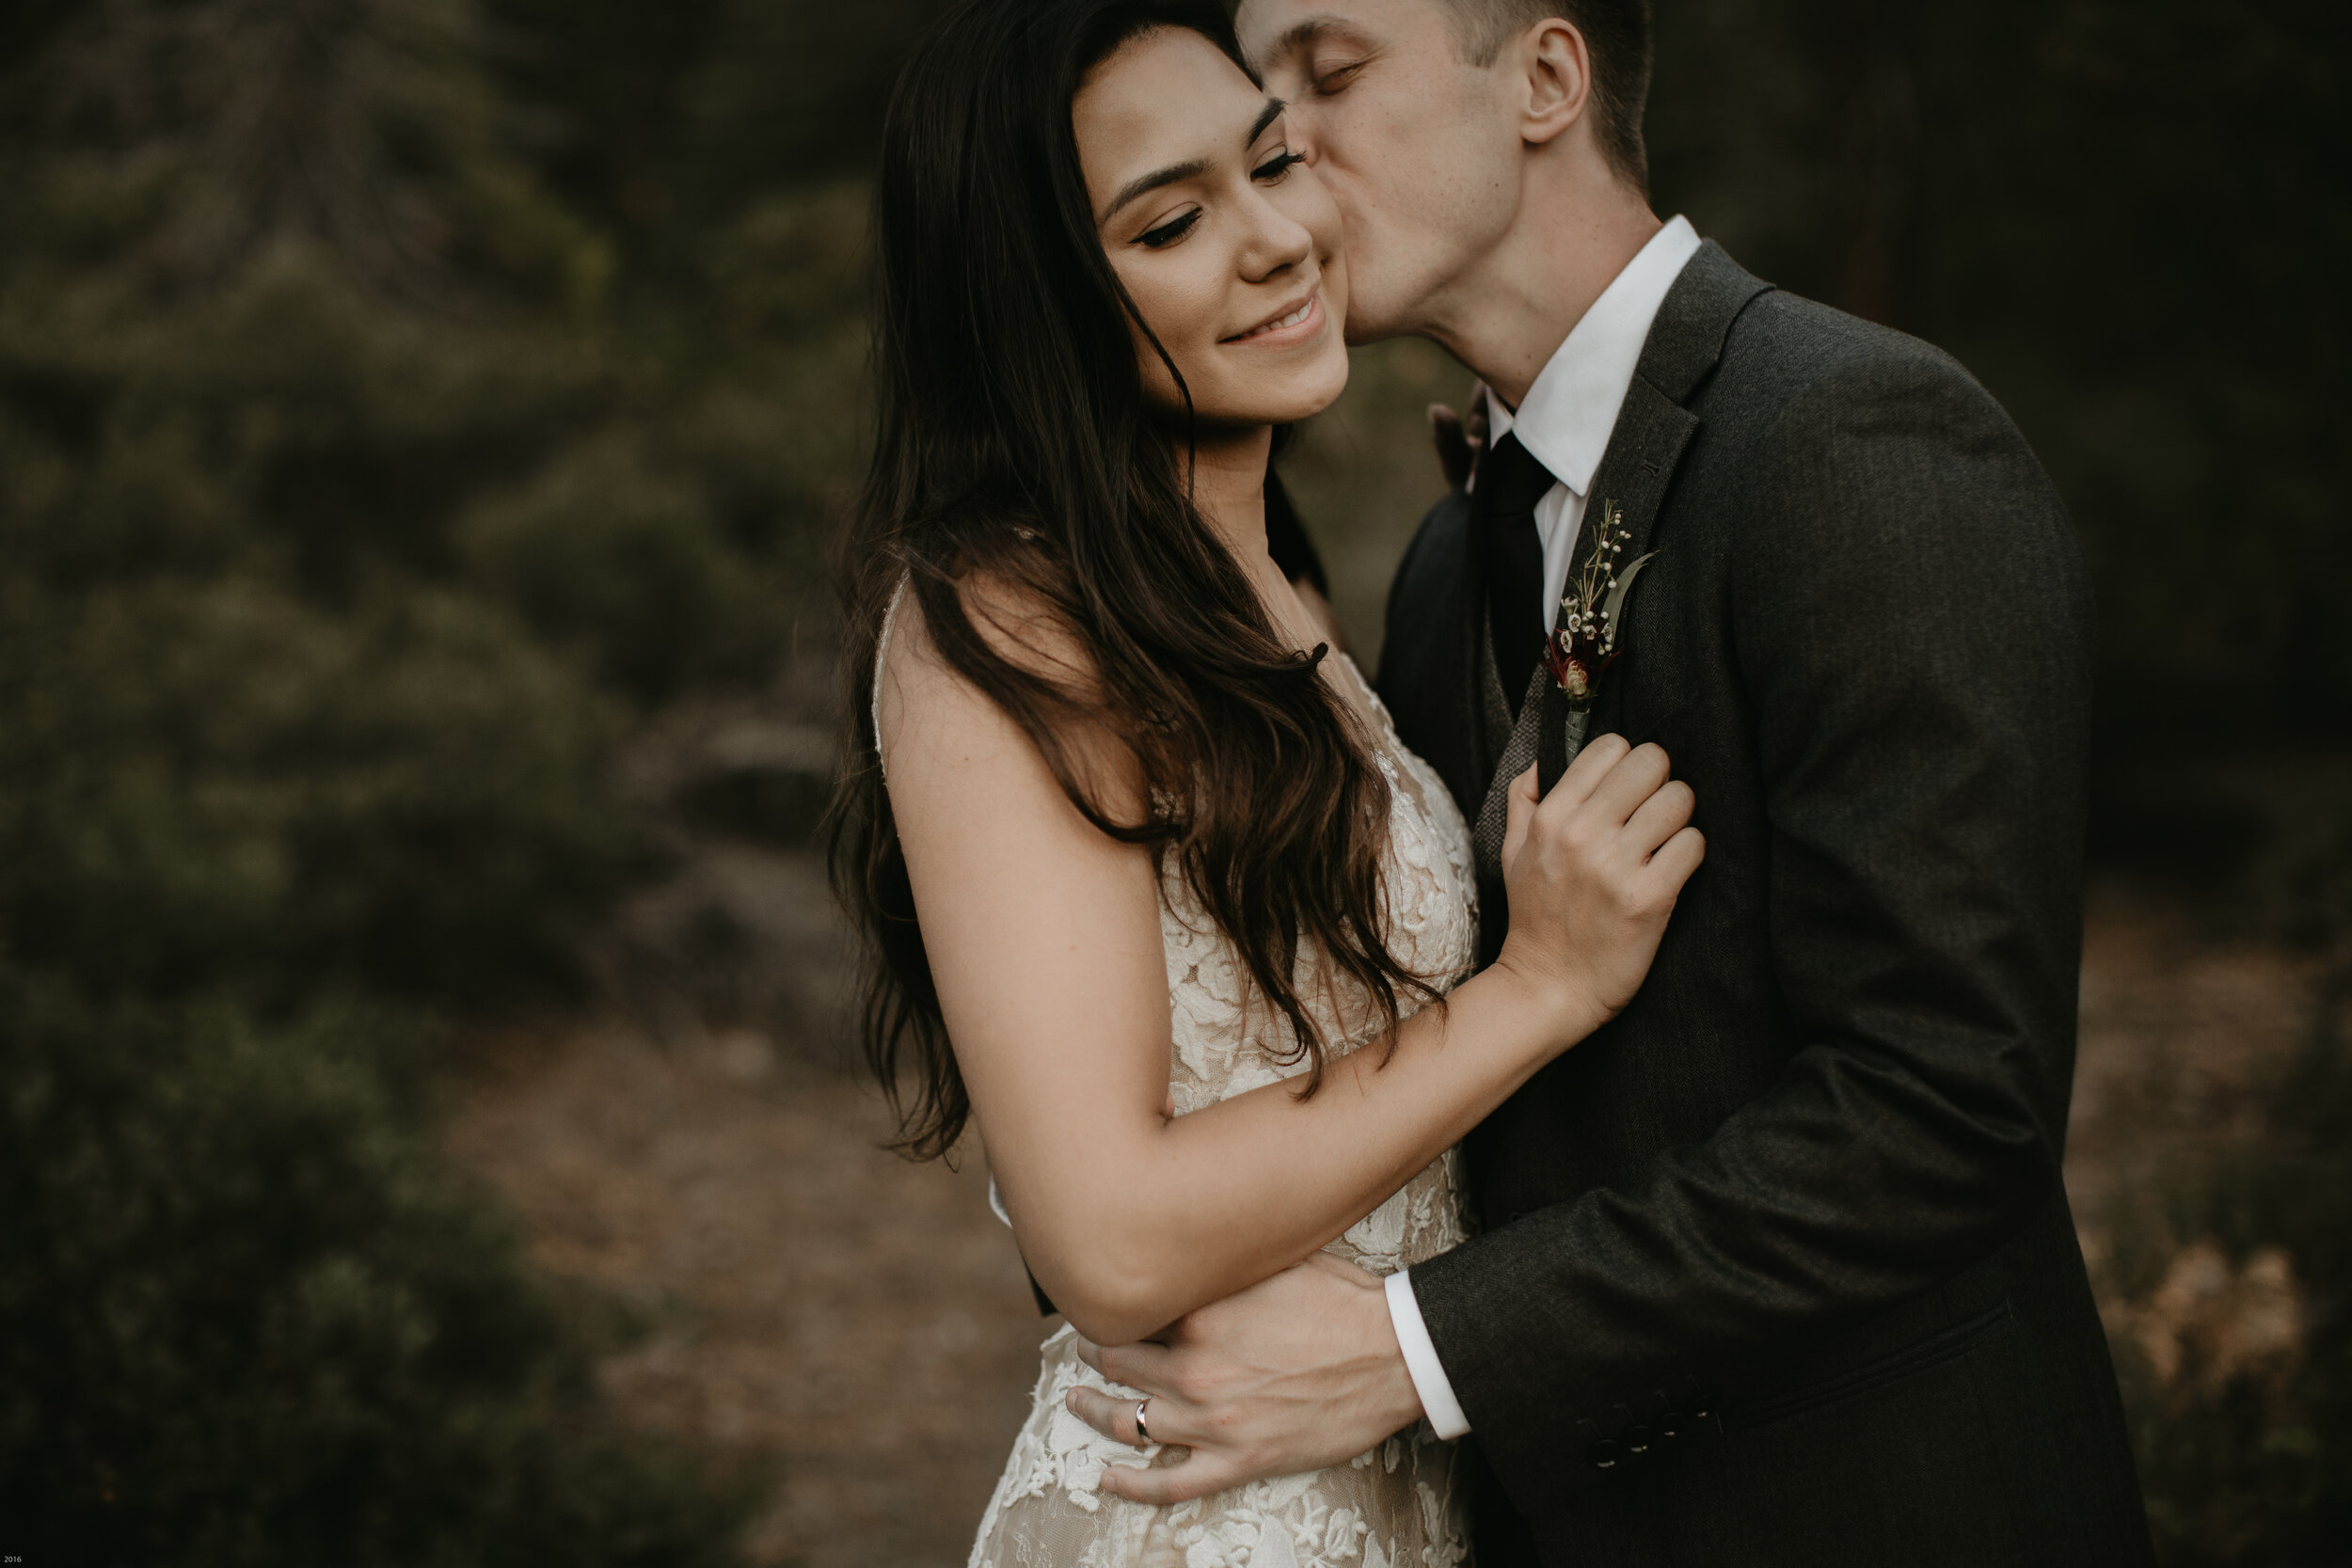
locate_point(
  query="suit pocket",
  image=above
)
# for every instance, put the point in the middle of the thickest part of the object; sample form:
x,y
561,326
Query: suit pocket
x,y
1921,1355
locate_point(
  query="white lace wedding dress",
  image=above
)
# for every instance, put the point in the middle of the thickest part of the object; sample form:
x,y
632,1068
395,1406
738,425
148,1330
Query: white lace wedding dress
x,y
1398,1506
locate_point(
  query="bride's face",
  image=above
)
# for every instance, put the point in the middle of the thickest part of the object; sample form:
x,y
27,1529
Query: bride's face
x,y
1229,246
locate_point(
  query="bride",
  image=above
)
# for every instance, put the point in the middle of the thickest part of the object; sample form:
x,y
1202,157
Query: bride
x,y
1160,907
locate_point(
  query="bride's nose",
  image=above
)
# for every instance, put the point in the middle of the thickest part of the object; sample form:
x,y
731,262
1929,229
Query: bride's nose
x,y
1277,242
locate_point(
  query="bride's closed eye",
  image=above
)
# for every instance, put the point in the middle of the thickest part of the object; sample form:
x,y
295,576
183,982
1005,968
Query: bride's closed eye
x,y
1169,232
1277,166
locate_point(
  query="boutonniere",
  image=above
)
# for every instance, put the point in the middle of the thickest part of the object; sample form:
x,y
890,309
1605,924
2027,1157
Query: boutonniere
x,y
1587,641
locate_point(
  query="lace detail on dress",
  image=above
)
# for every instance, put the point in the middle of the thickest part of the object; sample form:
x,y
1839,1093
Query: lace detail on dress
x,y
1399,1505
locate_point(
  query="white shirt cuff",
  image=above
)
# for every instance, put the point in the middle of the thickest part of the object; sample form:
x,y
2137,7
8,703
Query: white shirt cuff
x,y
1420,1359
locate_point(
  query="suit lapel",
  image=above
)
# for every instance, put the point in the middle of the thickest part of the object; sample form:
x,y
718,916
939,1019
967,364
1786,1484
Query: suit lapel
x,y
1492,704
1651,435
1648,440
1518,750
1653,431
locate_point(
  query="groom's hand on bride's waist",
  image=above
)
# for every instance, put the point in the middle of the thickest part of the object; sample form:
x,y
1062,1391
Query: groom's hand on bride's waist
x,y
1294,1373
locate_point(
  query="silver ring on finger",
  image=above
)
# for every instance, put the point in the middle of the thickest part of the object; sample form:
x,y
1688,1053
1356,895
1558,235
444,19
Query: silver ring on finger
x,y
1143,1431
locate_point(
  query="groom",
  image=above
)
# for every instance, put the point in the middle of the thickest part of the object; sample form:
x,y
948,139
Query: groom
x,y
1778,1268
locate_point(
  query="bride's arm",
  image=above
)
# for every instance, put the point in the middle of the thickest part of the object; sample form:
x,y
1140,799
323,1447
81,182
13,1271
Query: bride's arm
x,y
1043,939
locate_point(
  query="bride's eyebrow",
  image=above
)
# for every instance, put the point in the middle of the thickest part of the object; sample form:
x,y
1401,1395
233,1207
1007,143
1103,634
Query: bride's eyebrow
x,y
1145,185
1267,115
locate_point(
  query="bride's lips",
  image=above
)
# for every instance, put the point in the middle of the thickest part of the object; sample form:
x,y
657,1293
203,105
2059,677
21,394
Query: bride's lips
x,y
1294,324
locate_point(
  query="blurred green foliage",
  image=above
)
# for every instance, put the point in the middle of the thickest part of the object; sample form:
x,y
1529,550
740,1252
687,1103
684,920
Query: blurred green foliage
x,y
376,457
250,1317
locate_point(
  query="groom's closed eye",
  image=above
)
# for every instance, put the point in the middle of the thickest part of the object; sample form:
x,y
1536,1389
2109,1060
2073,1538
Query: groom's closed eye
x,y
1330,81
1325,51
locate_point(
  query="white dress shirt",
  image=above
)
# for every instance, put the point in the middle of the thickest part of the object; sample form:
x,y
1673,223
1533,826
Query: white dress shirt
x,y
1565,422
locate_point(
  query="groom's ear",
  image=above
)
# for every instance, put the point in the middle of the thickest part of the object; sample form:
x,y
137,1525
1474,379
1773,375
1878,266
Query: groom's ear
x,y
1557,79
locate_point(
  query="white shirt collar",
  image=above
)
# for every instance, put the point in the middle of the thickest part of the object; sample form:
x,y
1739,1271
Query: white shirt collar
x,y
1566,419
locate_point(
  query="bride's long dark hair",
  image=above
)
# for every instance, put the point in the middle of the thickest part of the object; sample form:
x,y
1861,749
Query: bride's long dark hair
x,y
1016,445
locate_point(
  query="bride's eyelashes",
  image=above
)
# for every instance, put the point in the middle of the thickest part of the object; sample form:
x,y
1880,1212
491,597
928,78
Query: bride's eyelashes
x,y
1169,232
1277,166
1177,227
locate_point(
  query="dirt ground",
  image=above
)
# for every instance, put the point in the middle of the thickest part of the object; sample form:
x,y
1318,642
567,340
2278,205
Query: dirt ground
x,y
859,1328
2179,1028
818,1307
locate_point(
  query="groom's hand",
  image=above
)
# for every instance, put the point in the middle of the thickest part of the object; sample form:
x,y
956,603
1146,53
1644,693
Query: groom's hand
x,y
1460,437
1294,1373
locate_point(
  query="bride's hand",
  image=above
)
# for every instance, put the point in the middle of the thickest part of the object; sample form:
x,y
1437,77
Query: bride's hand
x,y
1592,872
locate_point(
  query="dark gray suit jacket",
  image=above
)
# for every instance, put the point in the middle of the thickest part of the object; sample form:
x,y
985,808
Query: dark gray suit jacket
x,y
1777,1267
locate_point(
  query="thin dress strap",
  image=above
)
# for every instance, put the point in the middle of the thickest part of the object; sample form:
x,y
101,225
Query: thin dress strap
x,y
882,651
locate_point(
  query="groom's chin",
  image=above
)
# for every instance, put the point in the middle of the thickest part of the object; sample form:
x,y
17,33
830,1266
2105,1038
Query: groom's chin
x,y
1369,321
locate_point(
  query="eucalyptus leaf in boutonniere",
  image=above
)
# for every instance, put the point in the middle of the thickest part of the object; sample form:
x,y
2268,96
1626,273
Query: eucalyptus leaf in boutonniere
x,y
1586,642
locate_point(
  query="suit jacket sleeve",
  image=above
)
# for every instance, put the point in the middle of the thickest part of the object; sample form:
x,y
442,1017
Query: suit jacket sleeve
x,y
1911,635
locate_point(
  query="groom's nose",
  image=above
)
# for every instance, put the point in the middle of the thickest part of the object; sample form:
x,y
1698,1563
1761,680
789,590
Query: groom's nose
x,y
1301,127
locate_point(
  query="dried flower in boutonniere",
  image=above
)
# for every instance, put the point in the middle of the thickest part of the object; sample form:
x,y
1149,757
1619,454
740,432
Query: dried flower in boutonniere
x,y
1587,641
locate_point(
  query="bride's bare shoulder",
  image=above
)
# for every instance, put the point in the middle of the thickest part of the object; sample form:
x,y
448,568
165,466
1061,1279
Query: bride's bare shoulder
x,y
929,698
931,669
1015,622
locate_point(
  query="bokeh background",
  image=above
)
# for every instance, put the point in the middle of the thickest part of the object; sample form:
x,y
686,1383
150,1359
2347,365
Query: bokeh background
x,y
425,1129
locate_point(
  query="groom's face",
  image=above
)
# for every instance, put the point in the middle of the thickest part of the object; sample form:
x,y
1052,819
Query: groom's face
x,y
1420,148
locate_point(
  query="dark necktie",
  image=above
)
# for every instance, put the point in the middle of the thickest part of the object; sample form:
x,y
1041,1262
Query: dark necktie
x,y
1510,482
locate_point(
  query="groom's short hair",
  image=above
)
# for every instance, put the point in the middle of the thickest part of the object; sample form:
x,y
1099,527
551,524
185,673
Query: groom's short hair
x,y
1617,32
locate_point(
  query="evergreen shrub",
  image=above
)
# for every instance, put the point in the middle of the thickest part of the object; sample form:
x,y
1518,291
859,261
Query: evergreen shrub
x,y
250,1317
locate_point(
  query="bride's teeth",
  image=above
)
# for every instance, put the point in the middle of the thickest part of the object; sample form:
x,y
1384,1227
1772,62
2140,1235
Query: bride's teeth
x,y
1291,319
